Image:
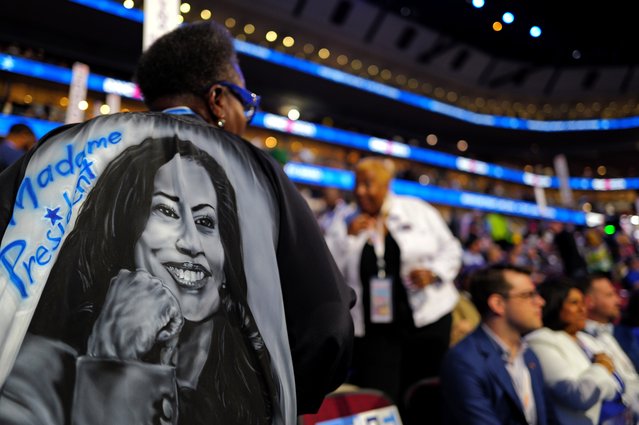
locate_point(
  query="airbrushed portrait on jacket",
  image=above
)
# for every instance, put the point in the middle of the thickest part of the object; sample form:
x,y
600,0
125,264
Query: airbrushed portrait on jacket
x,y
147,301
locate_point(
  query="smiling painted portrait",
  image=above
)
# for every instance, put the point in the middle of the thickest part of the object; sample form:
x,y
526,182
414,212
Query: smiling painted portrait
x,y
157,302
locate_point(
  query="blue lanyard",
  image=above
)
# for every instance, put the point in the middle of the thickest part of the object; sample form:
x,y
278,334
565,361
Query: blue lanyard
x,y
179,110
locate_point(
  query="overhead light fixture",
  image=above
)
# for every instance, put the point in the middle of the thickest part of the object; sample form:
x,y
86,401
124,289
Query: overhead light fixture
x,y
270,142
535,31
508,18
293,114
205,14
323,53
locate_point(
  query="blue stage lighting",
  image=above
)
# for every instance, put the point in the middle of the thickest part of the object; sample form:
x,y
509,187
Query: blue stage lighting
x,y
508,18
535,31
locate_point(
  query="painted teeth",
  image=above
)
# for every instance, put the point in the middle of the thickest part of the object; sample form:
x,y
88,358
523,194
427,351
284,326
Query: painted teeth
x,y
187,276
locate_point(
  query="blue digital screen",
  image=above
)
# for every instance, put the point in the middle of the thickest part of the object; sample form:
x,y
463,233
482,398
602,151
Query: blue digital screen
x,y
345,180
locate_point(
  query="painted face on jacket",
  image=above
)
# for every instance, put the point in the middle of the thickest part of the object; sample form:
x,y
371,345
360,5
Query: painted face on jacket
x,y
181,242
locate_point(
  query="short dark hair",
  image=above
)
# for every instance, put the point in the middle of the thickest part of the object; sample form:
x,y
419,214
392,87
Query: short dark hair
x,y
554,290
188,60
585,285
20,129
491,280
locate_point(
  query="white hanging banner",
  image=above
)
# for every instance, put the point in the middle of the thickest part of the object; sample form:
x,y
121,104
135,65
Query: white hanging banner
x,y
77,92
114,102
540,198
160,17
561,169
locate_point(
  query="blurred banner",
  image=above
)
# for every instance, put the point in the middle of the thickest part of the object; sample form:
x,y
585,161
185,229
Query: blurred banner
x,y
561,169
160,17
77,93
114,101
540,198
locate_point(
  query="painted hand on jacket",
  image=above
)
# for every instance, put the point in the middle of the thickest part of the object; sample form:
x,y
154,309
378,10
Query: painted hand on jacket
x,y
140,320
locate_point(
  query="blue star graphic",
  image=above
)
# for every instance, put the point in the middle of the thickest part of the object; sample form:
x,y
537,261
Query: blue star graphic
x,y
53,215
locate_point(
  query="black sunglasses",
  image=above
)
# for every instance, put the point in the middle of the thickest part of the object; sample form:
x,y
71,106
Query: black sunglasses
x,y
249,100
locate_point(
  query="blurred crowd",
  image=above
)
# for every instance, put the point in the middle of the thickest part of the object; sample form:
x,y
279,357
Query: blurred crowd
x,y
536,290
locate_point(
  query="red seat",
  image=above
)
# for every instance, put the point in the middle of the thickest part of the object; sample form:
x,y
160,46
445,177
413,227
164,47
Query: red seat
x,y
348,403
423,402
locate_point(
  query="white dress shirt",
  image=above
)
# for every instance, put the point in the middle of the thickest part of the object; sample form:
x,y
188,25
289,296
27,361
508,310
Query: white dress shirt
x,y
519,374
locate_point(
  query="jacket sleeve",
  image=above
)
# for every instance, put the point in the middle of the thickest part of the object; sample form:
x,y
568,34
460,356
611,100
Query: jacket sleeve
x,y
466,398
449,256
39,388
105,386
590,387
316,299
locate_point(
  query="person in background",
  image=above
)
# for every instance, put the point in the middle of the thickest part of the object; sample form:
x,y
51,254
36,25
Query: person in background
x,y
19,140
603,309
597,253
401,259
491,377
495,254
334,206
473,255
631,279
336,209
577,372
564,240
466,317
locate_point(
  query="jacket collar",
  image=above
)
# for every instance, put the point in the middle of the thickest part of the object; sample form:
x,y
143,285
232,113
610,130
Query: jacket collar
x,y
537,383
493,355
183,110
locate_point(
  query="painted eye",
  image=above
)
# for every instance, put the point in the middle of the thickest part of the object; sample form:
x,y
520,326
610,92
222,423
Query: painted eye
x,y
166,210
205,221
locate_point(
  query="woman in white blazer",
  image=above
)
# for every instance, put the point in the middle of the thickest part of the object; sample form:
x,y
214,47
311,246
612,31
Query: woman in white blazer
x,y
401,338
578,376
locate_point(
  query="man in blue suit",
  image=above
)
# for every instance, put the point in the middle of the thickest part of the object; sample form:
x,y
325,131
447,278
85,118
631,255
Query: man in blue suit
x,y
490,377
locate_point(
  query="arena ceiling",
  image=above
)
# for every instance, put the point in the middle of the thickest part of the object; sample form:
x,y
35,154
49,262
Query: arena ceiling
x,y
444,44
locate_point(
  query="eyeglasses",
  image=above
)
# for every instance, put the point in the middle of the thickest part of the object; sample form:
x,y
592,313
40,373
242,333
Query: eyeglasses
x,y
528,295
249,100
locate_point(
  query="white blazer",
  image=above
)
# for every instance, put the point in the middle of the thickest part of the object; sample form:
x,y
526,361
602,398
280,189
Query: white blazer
x,y
424,241
576,386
